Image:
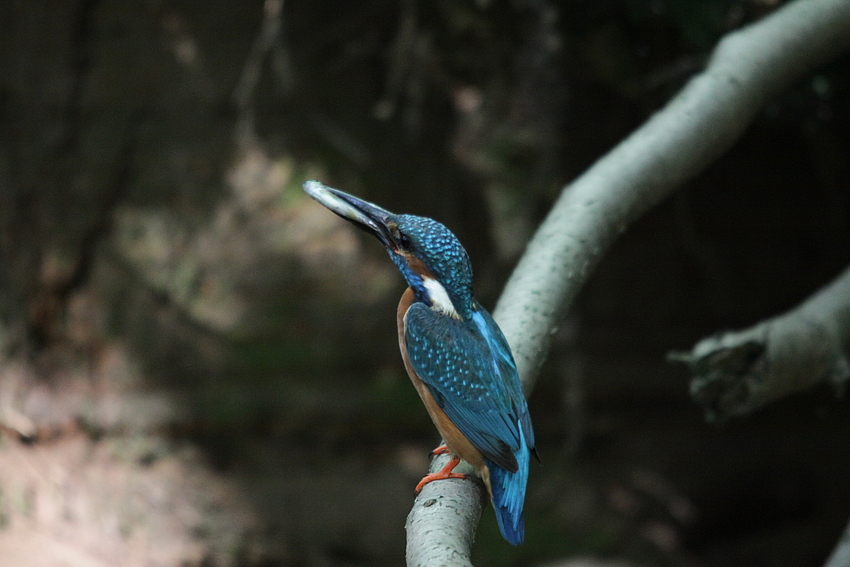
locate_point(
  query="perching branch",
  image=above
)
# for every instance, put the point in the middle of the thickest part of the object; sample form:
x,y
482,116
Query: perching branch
x,y
441,525
748,67
739,371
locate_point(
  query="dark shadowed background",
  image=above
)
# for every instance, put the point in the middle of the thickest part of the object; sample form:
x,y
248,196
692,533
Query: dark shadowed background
x,y
198,364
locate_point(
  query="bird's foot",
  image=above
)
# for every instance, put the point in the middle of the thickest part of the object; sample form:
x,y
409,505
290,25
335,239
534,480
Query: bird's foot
x,y
441,450
442,474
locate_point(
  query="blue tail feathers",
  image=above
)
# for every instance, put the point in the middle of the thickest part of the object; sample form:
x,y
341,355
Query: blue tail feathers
x,y
509,496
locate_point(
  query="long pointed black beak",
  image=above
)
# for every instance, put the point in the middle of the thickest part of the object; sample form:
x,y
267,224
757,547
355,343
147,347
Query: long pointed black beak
x,y
363,214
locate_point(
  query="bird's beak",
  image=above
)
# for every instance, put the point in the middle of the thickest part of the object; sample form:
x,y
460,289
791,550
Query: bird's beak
x,y
363,214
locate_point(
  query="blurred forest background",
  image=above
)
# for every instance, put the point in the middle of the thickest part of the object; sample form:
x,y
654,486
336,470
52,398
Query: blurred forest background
x,y
198,364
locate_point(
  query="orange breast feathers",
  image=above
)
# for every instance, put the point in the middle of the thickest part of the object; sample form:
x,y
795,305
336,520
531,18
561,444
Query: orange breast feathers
x,y
455,440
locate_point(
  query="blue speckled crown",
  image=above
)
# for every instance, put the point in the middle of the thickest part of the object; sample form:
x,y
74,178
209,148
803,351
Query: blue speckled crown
x,y
443,255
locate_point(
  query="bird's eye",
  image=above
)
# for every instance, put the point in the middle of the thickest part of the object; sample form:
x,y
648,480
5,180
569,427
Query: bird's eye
x,y
404,241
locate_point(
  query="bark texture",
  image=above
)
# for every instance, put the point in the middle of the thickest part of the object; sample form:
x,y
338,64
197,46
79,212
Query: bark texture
x,y
738,372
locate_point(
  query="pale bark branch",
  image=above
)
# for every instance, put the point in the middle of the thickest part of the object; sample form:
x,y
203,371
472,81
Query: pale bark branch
x,y
747,68
737,372
441,525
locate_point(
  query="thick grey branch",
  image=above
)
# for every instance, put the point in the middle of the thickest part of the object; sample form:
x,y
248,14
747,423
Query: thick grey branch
x,y
740,371
443,519
748,68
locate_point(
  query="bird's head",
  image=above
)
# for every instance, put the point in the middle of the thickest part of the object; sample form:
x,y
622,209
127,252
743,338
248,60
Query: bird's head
x,y
429,256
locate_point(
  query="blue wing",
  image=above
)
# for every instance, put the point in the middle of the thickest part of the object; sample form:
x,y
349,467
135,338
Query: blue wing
x,y
507,368
468,368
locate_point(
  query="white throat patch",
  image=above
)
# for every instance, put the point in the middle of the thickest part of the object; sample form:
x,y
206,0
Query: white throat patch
x,y
440,299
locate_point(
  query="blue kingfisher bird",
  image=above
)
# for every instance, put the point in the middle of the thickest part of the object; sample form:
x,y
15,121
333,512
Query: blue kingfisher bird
x,y
457,357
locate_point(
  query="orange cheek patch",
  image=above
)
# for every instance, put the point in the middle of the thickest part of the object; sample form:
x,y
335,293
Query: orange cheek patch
x,y
417,265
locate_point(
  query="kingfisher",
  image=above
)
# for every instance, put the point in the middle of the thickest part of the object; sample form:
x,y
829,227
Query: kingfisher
x,y
455,354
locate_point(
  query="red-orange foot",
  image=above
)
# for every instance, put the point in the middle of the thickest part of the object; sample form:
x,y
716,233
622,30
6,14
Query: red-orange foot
x,y
441,450
442,474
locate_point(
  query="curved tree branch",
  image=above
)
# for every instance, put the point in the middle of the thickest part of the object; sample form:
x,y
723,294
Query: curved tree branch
x,y
748,67
705,119
740,371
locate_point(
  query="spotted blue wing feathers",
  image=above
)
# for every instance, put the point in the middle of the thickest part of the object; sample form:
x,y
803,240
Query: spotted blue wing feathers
x,y
468,369
507,369
456,366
